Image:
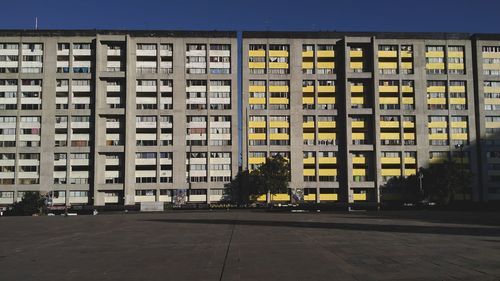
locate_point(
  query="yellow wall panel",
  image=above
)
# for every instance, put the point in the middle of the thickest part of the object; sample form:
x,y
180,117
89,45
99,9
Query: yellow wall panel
x,y
327,124
410,172
307,64
358,172
358,136
409,136
436,65
327,172
278,53
488,55
309,172
278,101
358,160
408,124
358,124
279,124
436,101
438,124
307,54
278,65
388,89
280,197
308,89
326,100
390,136
438,136
455,54
359,196
307,100
256,65
435,54
459,124
325,54
257,89
308,136
256,160
327,160
357,88
389,124
328,197
326,89
390,160
310,197
356,54
327,136
391,172
388,54
279,137
256,136
257,124
410,160
278,89
328,65
257,100
356,64
387,65
256,53
407,65
309,160
456,66
408,100
309,124
406,54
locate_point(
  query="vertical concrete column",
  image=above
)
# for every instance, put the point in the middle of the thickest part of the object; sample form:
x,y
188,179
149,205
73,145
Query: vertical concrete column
x,y
130,113
179,115
296,141
376,122
48,114
420,90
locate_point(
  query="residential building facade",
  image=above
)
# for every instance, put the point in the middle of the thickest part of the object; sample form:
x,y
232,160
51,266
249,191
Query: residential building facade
x,y
352,110
96,117
117,117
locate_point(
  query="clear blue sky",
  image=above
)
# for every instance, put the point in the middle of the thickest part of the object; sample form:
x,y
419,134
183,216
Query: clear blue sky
x,y
342,15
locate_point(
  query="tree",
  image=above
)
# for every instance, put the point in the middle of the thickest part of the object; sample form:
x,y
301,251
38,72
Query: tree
x,y
403,189
240,189
272,177
442,181
32,203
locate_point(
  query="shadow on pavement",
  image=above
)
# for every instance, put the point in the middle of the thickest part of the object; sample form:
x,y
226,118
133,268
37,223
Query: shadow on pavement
x,y
464,231
443,217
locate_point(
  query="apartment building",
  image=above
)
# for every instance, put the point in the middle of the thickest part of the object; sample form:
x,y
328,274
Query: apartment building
x,y
352,110
117,117
123,117
487,89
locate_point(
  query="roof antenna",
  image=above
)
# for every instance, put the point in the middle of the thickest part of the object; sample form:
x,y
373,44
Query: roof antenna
x,y
36,23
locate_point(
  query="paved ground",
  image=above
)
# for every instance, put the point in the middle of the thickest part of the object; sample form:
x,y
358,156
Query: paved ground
x,y
244,245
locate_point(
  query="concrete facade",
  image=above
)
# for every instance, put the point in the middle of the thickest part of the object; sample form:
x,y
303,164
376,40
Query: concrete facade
x,y
123,117
411,84
108,83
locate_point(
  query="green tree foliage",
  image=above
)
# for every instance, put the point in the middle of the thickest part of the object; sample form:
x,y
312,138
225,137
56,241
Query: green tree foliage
x,y
32,203
273,176
440,183
240,189
402,189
